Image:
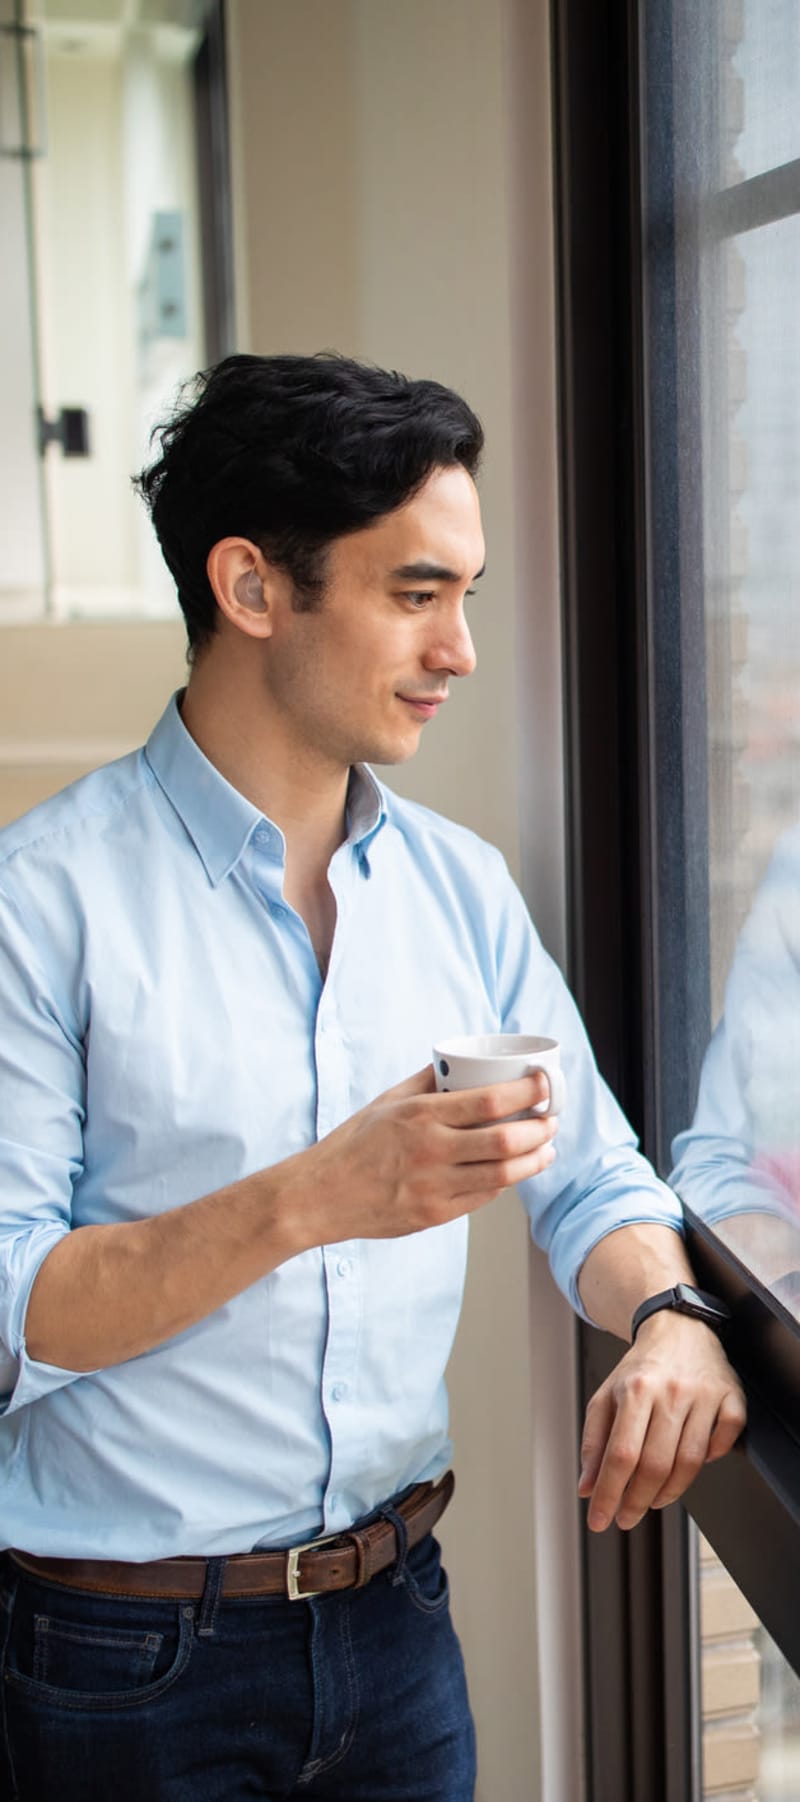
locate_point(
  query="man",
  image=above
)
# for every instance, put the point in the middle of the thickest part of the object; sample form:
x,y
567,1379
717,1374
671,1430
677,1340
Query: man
x,y
234,1208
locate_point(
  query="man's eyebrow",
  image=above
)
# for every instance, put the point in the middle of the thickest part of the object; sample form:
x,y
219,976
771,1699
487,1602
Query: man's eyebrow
x,y
430,572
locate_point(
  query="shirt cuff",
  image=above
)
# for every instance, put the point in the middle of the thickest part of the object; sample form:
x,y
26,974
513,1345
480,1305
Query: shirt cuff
x,y
568,1258
22,1378
34,1380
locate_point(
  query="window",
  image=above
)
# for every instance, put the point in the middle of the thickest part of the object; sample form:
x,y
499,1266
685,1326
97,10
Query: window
x,y
679,218
112,165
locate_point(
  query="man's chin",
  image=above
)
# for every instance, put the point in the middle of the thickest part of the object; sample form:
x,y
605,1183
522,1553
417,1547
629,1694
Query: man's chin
x,y
392,747
389,754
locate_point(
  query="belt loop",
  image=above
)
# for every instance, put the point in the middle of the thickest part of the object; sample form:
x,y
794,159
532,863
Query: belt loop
x,y
396,1520
212,1592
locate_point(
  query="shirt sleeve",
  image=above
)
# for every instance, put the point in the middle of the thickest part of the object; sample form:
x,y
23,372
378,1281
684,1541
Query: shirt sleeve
x,y
599,1181
42,1084
741,1154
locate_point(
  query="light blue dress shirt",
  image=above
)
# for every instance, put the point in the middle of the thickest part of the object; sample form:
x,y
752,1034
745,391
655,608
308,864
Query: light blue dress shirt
x,y
741,1154
164,1031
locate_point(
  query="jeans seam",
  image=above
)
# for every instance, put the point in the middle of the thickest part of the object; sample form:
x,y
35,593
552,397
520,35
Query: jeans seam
x,y
418,1599
12,1592
100,1639
47,1632
321,1766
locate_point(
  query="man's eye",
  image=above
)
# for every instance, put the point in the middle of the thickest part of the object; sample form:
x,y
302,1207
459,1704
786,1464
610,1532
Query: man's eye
x,y
419,596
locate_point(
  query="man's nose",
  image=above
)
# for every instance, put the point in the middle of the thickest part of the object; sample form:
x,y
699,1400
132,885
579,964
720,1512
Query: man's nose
x,y
453,650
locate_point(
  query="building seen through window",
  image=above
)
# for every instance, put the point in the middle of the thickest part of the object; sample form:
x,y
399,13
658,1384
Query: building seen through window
x,y
731,212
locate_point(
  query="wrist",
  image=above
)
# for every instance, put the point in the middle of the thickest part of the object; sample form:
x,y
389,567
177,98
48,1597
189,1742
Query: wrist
x,y
285,1210
666,1326
685,1302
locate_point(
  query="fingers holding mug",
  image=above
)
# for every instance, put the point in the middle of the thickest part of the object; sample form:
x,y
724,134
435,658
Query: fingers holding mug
x,y
556,1087
483,1059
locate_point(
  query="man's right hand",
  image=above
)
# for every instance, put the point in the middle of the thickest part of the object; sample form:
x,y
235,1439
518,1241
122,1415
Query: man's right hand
x,y
414,1158
409,1160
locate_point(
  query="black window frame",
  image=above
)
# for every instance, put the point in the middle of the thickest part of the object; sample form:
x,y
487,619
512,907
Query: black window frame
x,y
632,903
214,183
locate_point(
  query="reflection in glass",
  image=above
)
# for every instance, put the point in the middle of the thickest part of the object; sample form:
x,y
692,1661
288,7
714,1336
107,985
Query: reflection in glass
x,y
779,1725
739,1163
759,84
723,317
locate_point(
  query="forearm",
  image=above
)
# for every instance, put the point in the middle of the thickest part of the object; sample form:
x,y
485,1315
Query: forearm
x,y
412,1159
108,1293
627,1266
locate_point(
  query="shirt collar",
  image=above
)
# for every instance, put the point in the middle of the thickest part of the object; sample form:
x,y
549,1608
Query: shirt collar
x,y
219,820
366,808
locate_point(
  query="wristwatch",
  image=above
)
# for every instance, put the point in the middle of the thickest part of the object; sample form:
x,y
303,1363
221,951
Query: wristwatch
x,y
685,1300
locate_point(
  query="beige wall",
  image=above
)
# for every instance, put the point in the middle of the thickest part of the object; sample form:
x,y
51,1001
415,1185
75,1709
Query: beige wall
x,y
373,211
73,696
392,201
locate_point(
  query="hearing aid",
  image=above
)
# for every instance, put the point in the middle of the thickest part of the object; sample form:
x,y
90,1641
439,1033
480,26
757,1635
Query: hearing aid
x,y
248,590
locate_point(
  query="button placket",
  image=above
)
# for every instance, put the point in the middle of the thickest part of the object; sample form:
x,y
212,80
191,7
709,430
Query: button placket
x,y
339,1374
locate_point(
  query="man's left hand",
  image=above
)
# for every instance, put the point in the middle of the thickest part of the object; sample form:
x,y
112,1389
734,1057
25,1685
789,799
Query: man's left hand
x,y
672,1404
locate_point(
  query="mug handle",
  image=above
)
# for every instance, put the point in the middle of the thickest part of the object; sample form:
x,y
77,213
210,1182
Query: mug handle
x,y
558,1090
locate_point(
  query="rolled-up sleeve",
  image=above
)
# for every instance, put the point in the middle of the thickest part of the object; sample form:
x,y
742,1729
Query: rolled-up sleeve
x,y
42,1087
599,1181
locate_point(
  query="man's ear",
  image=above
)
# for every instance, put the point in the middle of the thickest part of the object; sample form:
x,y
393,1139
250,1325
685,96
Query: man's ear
x,y
242,582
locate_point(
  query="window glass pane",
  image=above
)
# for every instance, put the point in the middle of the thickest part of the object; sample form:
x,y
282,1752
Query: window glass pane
x,y
725,473
740,1166
759,85
722,310
750,1698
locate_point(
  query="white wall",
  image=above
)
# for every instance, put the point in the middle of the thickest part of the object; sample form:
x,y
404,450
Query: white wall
x,y
393,201
22,563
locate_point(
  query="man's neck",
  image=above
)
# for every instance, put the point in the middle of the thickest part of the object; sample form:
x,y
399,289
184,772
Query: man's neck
x,y
305,797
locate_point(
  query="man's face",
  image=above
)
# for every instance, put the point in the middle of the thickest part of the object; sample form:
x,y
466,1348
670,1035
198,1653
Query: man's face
x,y
359,679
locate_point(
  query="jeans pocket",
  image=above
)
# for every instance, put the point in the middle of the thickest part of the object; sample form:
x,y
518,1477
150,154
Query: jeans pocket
x,y
91,1658
424,1578
73,1654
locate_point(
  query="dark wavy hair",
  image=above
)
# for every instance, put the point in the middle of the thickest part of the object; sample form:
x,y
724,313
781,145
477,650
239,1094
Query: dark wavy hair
x,y
293,452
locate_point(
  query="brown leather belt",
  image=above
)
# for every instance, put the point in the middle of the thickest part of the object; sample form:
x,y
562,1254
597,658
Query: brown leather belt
x,y
344,1561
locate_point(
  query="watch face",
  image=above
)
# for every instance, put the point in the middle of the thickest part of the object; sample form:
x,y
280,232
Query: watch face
x,y
698,1301
686,1293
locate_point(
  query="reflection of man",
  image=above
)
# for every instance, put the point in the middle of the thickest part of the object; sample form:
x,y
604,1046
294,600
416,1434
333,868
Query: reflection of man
x,y
230,1274
743,1148
740,1160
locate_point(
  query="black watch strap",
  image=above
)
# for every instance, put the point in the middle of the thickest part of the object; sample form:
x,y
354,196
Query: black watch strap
x,y
685,1299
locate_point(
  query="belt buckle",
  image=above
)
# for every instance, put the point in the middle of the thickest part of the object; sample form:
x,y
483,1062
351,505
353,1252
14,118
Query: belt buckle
x,y
293,1556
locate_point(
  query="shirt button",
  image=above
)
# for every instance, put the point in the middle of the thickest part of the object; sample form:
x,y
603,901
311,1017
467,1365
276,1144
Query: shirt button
x,y
278,908
338,1392
261,835
344,1267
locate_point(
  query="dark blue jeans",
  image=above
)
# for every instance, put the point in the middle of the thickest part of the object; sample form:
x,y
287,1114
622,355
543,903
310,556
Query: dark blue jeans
x,y
358,1696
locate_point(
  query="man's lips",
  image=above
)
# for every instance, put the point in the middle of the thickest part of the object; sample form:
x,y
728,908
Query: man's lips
x,y
425,705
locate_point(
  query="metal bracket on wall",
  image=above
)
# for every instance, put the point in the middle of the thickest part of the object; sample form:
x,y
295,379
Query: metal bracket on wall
x,y
70,429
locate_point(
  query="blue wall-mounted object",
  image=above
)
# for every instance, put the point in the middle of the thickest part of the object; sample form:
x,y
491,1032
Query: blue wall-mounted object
x,y
162,292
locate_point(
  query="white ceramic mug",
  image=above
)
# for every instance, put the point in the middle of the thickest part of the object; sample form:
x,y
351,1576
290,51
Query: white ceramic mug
x,y
473,1062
